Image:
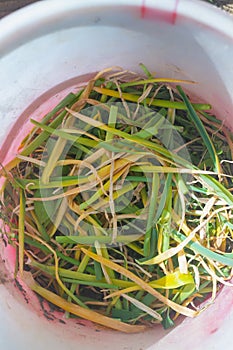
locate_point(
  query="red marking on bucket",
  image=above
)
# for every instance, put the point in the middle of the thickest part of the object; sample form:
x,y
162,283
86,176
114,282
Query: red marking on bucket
x,y
143,8
213,330
150,13
174,13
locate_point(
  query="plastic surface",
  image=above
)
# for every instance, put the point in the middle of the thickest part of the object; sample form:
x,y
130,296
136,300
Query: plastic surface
x,y
52,42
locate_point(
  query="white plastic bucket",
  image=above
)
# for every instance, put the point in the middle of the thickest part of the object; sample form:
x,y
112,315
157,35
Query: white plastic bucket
x,y
52,42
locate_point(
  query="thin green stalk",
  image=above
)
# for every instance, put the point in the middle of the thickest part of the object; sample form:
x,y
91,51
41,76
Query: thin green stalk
x,y
65,135
111,121
65,181
89,240
90,283
146,70
155,80
201,129
165,218
21,234
155,102
151,214
163,199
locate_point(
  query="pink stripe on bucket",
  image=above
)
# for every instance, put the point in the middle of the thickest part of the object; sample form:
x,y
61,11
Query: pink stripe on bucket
x,y
150,13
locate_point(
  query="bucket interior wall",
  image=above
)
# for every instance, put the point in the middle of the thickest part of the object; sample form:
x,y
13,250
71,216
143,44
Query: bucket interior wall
x,y
49,43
